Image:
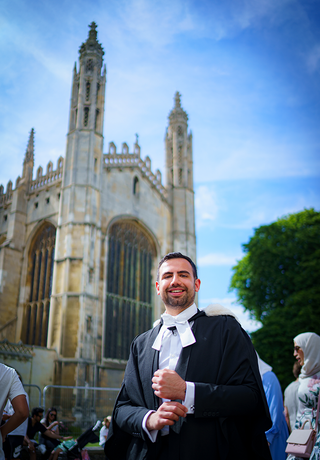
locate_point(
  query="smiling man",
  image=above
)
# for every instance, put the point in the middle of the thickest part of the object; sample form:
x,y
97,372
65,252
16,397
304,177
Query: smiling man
x,y
192,387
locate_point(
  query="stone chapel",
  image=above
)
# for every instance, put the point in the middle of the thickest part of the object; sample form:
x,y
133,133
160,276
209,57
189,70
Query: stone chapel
x,y
80,241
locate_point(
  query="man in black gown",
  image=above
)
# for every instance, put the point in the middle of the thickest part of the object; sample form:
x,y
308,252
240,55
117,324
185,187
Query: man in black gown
x,y
192,387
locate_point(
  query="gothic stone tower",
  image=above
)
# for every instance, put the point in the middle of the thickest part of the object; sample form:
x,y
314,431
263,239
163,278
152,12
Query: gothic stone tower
x,y
75,298
80,244
179,166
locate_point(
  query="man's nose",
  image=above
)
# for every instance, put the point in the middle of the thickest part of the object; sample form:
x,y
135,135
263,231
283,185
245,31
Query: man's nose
x,y
175,279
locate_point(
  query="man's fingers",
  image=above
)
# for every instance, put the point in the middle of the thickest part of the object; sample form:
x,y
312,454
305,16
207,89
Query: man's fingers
x,y
175,408
168,413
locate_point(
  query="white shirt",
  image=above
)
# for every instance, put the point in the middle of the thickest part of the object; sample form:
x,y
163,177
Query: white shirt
x,y
103,433
170,350
10,387
21,430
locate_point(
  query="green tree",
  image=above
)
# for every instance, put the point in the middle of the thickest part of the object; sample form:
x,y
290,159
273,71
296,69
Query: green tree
x,y
278,282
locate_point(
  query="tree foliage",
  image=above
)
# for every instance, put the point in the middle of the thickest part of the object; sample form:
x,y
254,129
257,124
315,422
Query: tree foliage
x,y
278,282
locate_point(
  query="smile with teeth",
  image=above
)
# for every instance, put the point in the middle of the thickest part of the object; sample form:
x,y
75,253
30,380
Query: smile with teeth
x,y
176,291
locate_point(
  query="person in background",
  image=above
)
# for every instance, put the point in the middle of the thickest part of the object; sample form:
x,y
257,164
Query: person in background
x,y
34,426
51,423
278,433
104,430
307,353
11,388
291,398
14,440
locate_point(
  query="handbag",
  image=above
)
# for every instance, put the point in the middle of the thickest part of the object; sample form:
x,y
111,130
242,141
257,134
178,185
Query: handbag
x,y
301,442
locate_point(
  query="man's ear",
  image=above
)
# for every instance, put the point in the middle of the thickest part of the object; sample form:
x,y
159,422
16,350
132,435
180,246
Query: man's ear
x,y
158,288
197,285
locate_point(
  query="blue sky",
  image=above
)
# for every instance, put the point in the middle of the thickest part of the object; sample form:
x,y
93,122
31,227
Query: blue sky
x,y
248,73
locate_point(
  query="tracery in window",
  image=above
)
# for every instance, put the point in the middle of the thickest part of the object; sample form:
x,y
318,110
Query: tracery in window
x,y
39,282
86,116
89,66
129,287
87,90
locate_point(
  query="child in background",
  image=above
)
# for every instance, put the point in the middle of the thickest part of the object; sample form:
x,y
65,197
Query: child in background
x,y
104,430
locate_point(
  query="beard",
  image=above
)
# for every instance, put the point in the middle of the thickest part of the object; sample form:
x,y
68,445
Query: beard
x,y
184,301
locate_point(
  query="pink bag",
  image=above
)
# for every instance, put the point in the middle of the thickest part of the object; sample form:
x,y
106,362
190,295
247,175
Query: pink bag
x,y
85,455
301,442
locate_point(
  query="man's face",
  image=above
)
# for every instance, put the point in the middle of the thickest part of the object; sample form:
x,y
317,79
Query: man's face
x,y
176,285
39,416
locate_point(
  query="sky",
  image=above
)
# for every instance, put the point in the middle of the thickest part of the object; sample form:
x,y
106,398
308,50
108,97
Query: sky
x,y
248,73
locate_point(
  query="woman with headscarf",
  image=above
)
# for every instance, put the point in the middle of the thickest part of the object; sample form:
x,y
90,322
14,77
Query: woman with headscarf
x,y
278,433
307,353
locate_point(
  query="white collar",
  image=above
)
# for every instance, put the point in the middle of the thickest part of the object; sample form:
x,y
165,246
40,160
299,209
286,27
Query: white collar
x,y
182,324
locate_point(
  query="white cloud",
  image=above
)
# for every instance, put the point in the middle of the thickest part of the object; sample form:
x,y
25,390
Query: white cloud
x,y
261,157
206,205
217,259
155,22
313,59
267,208
243,316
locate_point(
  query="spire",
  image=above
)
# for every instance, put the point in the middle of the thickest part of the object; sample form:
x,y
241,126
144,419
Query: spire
x,y
28,161
91,46
93,33
177,113
29,156
177,100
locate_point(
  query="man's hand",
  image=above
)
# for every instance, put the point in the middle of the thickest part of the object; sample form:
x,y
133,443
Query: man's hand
x,y
168,413
167,384
31,446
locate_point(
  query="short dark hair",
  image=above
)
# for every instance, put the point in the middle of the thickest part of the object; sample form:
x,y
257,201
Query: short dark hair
x,y
36,411
178,255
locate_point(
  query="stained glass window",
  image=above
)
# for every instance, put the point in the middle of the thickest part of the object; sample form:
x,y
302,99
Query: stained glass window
x,y
40,271
131,253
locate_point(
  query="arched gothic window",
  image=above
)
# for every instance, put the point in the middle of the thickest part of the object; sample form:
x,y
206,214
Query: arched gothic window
x,y
129,287
135,186
39,281
87,90
86,116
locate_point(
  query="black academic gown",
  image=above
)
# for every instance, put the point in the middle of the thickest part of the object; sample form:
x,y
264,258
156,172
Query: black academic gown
x,y
231,413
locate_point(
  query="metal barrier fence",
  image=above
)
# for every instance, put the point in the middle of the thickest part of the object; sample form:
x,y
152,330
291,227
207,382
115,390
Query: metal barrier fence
x,y
79,407
34,393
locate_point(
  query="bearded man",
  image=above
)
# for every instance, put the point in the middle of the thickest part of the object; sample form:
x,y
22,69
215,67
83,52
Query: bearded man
x,y
192,387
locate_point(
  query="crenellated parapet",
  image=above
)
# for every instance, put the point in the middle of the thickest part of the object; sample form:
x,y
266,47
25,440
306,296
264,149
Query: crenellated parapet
x,y
41,181
51,177
125,159
6,196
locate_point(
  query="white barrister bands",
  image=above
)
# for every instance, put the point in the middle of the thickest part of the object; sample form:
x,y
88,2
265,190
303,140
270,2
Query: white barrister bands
x,y
182,324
